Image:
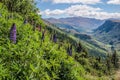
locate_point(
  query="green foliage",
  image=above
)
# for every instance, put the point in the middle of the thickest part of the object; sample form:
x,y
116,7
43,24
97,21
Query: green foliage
x,y
29,59
33,59
20,6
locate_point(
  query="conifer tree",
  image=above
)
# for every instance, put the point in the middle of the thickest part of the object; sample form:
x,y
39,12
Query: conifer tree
x,y
79,47
108,62
69,50
115,59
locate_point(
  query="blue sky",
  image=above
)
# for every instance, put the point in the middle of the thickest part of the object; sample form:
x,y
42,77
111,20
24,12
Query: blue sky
x,y
99,9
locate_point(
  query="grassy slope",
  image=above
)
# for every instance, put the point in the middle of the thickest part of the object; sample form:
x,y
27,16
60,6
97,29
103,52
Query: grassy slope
x,y
29,59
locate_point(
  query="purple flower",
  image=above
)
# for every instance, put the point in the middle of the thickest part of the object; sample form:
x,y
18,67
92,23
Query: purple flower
x,y
55,38
13,33
70,52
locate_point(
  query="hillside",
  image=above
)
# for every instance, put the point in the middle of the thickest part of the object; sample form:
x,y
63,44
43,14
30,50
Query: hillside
x,y
108,33
31,49
31,57
93,47
78,24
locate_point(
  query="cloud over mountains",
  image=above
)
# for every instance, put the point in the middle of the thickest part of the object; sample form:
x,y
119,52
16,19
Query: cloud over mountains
x,y
82,8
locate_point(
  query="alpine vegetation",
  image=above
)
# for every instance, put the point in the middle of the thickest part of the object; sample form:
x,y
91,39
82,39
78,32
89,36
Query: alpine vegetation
x,y
41,51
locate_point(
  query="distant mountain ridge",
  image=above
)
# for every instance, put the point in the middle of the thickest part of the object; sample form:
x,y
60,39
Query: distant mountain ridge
x,y
109,32
80,24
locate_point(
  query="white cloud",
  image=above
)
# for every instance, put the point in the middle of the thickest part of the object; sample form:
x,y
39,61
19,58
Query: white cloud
x,y
117,2
48,12
81,10
77,1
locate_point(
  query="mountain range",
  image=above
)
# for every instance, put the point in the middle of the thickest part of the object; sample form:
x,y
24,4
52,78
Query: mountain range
x,y
79,24
100,33
108,33
110,29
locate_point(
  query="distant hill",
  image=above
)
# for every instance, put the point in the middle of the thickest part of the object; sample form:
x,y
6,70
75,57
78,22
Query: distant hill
x,y
109,32
79,24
